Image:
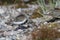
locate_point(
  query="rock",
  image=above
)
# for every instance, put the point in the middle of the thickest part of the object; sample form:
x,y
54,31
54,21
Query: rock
x,y
13,12
20,19
15,22
26,0
42,19
2,11
21,27
3,27
53,20
19,9
58,4
55,13
2,38
57,38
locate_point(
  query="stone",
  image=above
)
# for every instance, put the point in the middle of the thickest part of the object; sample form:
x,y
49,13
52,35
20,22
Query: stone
x,y
2,11
15,22
56,13
2,38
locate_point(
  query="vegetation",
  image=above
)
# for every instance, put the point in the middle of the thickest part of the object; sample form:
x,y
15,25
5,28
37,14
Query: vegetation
x,y
51,5
36,14
48,31
45,32
6,1
14,1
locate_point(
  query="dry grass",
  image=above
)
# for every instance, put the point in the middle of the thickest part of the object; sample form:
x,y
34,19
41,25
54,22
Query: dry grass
x,y
46,32
36,14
